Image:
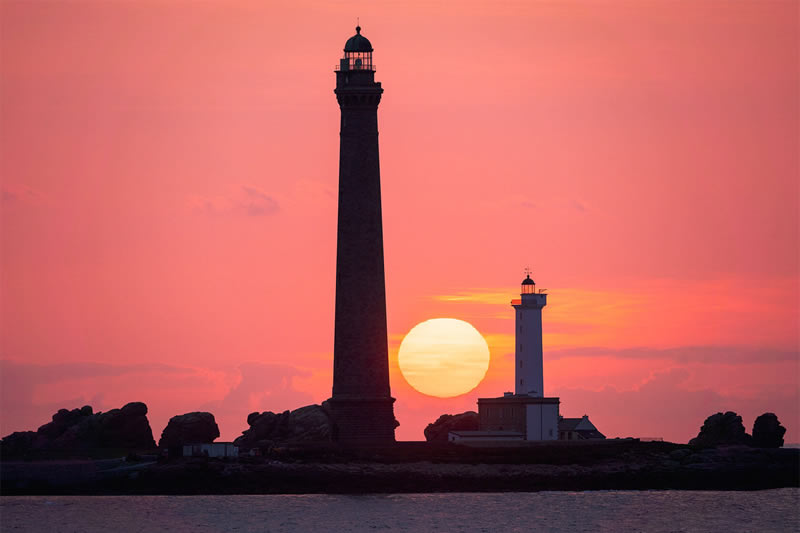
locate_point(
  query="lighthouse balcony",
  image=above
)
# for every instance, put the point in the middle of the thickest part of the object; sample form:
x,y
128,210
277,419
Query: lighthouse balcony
x,y
356,61
530,300
347,68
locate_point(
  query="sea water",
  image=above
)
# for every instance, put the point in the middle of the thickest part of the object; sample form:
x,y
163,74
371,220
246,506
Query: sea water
x,y
624,511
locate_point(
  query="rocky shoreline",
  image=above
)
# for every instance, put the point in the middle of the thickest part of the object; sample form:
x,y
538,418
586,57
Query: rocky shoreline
x,y
419,467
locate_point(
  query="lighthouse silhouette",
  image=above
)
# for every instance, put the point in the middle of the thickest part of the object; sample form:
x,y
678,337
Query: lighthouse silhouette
x,y
361,404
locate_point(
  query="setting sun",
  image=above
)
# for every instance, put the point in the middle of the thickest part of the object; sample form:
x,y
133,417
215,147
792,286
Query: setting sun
x,y
443,357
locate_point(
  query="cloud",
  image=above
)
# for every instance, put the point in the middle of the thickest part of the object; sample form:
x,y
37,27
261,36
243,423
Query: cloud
x,y
579,206
481,296
263,387
15,372
671,404
664,406
31,393
654,313
256,203
15,194
244,200
685,354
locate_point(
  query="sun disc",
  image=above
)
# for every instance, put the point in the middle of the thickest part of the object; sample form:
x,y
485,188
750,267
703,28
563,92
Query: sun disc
x,y
443,357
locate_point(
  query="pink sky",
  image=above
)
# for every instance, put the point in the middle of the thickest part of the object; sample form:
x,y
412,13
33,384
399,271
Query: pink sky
x,y
169,176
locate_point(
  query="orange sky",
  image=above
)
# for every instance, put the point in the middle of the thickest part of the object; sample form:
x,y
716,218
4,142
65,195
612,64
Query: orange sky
x,y
169,176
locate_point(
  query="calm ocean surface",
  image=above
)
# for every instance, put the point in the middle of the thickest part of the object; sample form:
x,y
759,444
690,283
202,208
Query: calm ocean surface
x,y
573,512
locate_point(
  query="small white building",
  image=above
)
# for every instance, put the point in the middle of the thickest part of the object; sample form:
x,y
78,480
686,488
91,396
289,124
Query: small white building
x,y
213,449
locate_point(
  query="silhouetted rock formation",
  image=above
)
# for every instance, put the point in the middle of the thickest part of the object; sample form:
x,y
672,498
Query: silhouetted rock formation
x,y
18,442
189,428
312,423
437,432
82,429
720,429
768,431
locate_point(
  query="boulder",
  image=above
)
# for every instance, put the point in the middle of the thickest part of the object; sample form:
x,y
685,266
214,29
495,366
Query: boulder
x,y
721,429
127,427
83,429
62,420
312,423
18,442
189,428
131,409
768,431
437,432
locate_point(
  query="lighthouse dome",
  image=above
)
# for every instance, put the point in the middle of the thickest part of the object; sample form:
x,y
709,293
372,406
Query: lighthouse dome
x,y
528,281
358,43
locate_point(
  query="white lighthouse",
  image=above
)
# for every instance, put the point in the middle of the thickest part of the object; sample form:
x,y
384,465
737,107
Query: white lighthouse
x,y
529,377
526,414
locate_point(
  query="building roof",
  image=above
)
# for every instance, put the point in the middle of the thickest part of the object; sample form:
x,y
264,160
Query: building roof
x,y
358,43
582,426
590,434
518,399
568,424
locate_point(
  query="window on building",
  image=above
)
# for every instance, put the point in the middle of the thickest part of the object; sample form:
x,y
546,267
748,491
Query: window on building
x,y
520,363
520,382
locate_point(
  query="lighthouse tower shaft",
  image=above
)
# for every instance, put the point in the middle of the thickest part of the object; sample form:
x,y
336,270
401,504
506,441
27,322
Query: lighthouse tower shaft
x,y
361,402
529,375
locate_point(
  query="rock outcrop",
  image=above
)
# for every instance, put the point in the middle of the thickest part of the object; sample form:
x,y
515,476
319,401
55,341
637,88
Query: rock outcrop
x,y
312,423
18,443
83,429
437,432
189,428
768,431
721,429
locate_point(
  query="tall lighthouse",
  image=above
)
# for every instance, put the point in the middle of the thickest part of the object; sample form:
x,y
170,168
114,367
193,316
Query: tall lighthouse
x,y
529,376
361,402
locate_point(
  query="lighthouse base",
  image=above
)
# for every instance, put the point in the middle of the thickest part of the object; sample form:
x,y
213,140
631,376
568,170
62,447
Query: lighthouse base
x,y
363,420
534,417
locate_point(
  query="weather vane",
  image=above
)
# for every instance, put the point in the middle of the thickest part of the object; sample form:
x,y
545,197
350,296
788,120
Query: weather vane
x,y
528,271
